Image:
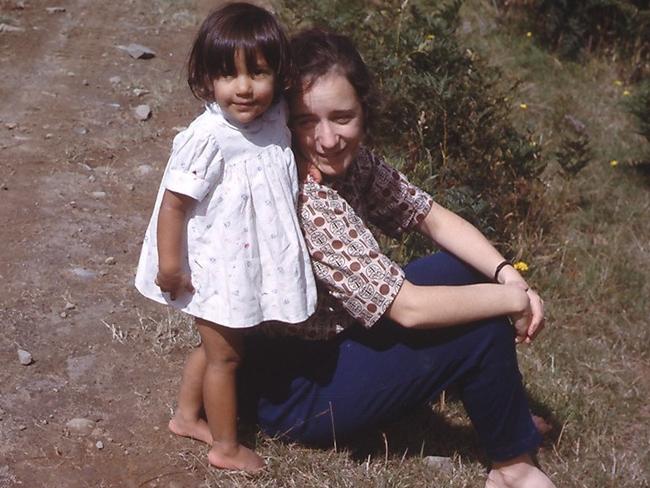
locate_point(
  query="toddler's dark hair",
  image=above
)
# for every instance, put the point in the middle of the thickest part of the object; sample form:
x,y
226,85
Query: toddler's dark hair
x,y
236,27
315,52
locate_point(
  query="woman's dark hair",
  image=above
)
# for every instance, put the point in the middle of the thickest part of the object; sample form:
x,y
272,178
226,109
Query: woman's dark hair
x,y
236,27
316,52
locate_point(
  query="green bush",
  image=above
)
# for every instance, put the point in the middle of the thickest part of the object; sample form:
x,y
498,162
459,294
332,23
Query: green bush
x,y
639,106
444,120
576,27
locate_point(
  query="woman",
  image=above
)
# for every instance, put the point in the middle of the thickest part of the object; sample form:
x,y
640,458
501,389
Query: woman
x,y
385,340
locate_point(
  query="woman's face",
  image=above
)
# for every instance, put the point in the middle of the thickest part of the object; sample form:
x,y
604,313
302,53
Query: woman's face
x,y
327,124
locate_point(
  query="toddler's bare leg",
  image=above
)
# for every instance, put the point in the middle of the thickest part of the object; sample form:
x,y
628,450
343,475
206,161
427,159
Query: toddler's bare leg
x,y
186,421
223,352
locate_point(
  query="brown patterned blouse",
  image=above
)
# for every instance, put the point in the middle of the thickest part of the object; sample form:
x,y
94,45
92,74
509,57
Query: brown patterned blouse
x,y
355,281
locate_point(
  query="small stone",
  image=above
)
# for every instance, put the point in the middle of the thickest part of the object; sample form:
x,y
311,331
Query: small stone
x,y
20,5
115,80
70,306
55,10
11,125
130,187
440,463
103,272
82,131
83,273
10,28
138,51
85,83
63,315
81,426
25,357
72,203
22,427
138,92
144,169
49,135
99,194
110,260
92,178
142,112
99,445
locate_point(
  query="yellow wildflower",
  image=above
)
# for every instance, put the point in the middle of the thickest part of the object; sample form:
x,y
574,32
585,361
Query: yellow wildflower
x,y
618,82
523,106
529,34
626,93
613,163
430,37
521,266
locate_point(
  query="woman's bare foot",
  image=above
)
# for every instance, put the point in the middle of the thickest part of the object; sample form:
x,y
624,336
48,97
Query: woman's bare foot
x,y
517,473
543,427
235,457
194,428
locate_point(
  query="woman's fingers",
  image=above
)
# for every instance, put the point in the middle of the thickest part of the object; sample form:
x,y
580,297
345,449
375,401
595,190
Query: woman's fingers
x,y
537,321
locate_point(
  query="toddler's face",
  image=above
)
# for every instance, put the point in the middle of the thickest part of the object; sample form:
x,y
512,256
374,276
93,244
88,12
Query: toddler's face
x,y
245,95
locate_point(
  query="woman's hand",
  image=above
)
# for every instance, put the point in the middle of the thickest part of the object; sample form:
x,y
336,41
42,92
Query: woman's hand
x,y
175,283
530,321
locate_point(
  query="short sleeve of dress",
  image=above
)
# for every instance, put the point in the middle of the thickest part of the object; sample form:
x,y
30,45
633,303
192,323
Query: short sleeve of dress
x,y
345,256
393,203
195,165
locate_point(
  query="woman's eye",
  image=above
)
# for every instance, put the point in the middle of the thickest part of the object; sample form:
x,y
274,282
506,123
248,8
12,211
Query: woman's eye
x,y
342,120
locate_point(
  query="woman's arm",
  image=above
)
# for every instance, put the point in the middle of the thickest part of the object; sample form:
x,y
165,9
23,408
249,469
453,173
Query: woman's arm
x,y
170,235
462,239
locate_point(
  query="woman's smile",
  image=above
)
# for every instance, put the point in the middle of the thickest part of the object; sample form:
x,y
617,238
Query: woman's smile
x,y
327,123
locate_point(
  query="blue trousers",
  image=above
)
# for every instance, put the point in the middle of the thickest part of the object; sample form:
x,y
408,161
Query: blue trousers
x,y
314,391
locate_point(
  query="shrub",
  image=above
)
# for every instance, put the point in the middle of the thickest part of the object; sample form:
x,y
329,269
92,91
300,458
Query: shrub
x,y
576,27
639,106
444,120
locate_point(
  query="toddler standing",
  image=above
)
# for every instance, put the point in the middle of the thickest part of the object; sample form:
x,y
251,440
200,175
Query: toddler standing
x,y
224,244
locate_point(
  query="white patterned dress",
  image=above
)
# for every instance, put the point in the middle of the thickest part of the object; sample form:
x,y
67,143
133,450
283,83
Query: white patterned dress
x,y
244,250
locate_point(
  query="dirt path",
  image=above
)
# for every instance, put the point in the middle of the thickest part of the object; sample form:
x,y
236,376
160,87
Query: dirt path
x,y
78,175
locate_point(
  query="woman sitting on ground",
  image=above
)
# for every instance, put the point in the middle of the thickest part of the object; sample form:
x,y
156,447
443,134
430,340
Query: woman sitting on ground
x,y
385,340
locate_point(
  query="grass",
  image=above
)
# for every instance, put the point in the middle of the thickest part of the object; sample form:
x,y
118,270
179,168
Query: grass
x,y
589,373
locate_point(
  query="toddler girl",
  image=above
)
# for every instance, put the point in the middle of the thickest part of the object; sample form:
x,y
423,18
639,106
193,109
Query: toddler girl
x,y
224,244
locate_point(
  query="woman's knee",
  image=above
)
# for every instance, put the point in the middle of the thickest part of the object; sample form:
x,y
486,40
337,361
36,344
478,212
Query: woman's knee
x,y
441,268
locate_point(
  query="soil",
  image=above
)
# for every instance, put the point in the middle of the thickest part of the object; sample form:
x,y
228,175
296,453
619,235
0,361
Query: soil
x,y
78,176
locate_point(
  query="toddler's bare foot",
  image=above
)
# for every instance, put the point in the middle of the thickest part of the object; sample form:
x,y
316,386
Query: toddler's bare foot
x,y
235,457
194,428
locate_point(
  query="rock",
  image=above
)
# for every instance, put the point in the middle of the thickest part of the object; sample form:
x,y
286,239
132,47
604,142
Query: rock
x,y
55,10
142,112
63,315
84,273
10,28
82,131
115,80
25,357
49,135
70,306
99,194
144,169
81,426
99,445
138,51
130,187
11,125
110,260
138,92
85,83
439,463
